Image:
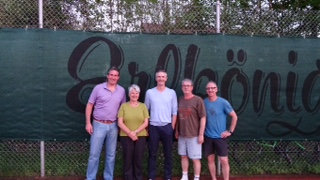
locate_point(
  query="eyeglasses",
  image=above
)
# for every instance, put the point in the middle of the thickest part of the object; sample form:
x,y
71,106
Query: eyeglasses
x,y
186,85
208,88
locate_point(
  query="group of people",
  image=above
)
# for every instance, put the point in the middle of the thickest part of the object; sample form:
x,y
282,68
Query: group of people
x,y
199,125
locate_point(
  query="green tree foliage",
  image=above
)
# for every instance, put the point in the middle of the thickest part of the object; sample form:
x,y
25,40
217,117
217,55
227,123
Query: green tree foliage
x,y
277,4
245,17
138,15
296,4
271,17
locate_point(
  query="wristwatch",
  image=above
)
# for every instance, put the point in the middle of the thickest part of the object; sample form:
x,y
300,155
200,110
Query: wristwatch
x,y
230,131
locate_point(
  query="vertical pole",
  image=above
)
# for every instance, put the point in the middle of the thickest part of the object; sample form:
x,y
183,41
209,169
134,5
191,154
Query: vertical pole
x,y
218,5
218,167
42,160
40,7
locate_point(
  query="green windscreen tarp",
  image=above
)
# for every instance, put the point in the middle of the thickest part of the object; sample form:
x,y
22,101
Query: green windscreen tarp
x,y
47,76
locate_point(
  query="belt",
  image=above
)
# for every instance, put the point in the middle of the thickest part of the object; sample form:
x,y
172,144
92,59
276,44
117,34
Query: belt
x,y
105,121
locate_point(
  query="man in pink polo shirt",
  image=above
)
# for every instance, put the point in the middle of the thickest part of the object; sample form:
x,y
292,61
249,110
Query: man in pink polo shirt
x,y
103,104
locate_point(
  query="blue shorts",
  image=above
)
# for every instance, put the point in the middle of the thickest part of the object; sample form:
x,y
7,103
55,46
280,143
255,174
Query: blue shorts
x,y
189,147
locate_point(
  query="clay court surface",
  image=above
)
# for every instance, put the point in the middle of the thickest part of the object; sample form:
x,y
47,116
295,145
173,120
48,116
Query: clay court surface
x,y
262,177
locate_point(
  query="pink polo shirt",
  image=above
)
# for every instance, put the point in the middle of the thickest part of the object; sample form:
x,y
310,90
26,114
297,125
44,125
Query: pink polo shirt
x,y
106,103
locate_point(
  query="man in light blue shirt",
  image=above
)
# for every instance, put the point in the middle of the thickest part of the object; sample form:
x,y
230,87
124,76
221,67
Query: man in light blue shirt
x,y
163,105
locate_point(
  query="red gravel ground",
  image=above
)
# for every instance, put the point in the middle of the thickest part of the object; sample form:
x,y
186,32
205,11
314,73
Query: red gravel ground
x,y
260,177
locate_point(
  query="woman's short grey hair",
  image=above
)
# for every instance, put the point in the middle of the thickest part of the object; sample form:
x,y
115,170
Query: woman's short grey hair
x,y
134,87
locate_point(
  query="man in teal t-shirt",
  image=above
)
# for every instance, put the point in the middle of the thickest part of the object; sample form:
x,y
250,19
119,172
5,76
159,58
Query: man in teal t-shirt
x,y
216,132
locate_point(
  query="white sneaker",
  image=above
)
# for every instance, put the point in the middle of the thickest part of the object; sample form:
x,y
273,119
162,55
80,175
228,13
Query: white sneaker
x,y
184,178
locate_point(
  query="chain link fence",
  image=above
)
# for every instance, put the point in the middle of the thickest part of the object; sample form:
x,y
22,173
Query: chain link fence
x,y
19,158
179,17
22,158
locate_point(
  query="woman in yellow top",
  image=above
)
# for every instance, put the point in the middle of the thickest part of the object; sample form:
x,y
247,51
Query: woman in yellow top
x,y
133,120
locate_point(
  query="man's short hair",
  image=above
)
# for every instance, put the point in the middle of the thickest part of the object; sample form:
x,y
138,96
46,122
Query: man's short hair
x,y
113,68
161,70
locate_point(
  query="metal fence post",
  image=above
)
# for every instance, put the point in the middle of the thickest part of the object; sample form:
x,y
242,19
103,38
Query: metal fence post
x,y
42,161
42,158
218,166
40,6
218,4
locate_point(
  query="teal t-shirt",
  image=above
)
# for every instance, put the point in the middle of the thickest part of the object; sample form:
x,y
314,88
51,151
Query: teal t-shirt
x,y
217,114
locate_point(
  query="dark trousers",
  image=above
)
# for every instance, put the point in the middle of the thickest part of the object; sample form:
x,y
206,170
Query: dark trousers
x,y
165,135
133,152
